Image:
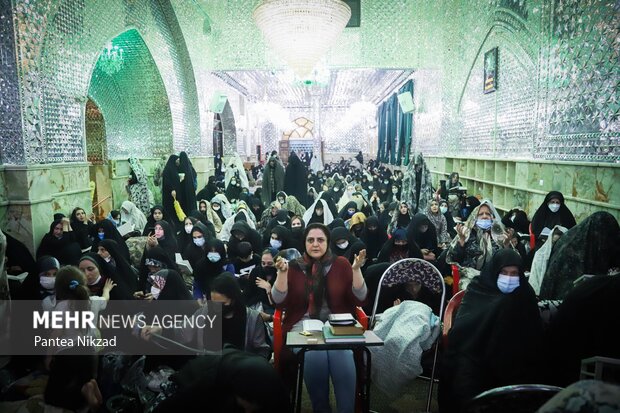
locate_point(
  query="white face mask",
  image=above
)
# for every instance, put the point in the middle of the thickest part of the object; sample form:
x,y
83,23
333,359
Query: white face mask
x,y
188,229
484,224
343,245
506,283
276,243
199,241
96,281
443,209
47,282
319,212
216,208
281,222
155,292
554,207
213,256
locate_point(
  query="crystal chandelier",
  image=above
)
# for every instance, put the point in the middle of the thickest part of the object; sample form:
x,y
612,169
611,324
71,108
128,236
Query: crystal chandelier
x,y
301,31
111,59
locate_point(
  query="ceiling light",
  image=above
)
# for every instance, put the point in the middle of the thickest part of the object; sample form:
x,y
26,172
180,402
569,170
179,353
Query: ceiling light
x,y
301,31
111,59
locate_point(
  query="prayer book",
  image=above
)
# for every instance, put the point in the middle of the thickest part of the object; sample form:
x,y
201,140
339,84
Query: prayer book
x,y
331,338
353,330
184,265
125,229
312,325
341,319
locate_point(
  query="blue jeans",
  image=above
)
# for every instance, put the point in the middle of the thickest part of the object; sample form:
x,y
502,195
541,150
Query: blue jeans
x,y
318,367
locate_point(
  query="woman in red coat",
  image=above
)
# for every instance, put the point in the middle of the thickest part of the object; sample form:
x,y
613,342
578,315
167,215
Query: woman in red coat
x,y
313,287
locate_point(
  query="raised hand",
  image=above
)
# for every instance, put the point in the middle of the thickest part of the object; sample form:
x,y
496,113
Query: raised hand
x,y
281,265
359,260
109,284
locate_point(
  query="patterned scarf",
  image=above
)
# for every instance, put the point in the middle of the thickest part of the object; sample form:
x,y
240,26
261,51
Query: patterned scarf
x,y
315,271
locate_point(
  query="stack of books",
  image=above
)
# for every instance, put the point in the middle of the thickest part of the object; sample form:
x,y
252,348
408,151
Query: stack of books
x,y
343,328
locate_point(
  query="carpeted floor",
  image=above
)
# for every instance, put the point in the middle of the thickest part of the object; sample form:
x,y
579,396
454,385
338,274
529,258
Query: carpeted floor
x,y
413,401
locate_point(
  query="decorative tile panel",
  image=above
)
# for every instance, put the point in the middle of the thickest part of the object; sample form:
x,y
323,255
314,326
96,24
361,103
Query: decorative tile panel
x,y
11,143
58,45
581,75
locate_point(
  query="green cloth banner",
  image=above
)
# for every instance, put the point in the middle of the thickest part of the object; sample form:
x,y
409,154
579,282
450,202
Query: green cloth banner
x,y
392,128
381,130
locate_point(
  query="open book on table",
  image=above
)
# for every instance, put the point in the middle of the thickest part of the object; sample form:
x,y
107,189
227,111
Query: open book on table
x,y
348,332
312,325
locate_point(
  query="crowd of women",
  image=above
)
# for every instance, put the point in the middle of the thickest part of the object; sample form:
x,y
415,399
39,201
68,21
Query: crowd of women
x,y
311,241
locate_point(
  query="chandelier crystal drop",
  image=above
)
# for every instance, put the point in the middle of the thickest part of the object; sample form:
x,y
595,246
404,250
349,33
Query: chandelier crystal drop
x,y
111,60
301,31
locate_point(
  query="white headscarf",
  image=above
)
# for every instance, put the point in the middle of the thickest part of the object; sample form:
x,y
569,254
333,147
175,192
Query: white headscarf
x,y
130,213
235,164
541,259
327,214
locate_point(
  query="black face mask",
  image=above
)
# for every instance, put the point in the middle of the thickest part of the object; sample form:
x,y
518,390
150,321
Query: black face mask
x,y
227,309
269,272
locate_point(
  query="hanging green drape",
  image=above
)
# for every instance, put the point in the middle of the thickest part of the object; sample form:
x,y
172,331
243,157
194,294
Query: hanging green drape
x,y
382,131
405,127
392,121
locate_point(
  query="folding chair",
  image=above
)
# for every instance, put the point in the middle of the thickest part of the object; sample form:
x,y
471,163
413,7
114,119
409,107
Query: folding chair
x,y
425,273
448,317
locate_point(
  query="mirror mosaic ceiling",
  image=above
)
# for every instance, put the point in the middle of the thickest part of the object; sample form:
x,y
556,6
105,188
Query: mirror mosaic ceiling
x,y
558,95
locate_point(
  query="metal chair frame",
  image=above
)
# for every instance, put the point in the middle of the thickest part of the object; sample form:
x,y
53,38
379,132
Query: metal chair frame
x,y
414,261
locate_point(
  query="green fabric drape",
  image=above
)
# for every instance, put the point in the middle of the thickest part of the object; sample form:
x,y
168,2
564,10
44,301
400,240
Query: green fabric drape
x,y
405,126
381,130
392,126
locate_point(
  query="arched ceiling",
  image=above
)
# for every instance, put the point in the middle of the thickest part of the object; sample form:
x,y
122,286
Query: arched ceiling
x,y
343,87
395,34
366,64
133,100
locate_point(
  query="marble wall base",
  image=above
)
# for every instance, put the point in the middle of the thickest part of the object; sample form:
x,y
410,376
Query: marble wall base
x,y
587,187
31,195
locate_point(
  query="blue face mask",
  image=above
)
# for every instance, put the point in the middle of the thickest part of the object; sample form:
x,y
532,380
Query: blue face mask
x,y
213,256
101,235
484,224
506,283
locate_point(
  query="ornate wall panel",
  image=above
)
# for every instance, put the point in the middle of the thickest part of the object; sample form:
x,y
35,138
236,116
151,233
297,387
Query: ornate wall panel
x,y
269,138
581,76
428,113
559,82
58,45
501,123
11,144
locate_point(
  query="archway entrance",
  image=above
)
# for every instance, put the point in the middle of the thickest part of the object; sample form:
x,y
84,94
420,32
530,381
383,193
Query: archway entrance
x,y
97,154
129,101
